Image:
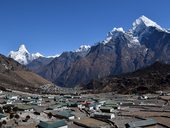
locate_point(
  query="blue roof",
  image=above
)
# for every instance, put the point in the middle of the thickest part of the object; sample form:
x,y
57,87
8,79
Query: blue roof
x,y
2,115
56,124
141,123
66,113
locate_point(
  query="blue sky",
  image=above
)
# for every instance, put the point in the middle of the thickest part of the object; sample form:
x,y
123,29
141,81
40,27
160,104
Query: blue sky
x,y
54,26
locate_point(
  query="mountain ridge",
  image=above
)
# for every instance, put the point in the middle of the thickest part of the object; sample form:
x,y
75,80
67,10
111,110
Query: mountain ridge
x,y
15,76
120,52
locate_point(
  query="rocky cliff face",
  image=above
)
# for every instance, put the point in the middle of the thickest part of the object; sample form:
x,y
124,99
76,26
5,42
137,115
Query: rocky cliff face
x,y
121,52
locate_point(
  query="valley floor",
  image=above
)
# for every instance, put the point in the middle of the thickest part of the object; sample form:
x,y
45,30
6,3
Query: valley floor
x,y
25,110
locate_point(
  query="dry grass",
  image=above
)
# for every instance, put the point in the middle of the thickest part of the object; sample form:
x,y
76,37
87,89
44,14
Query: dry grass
x,y
32,78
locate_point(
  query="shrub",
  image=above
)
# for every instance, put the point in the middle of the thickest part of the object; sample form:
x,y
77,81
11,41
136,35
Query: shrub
x,y
50,115
27,117
11,116
3,122
15,109
17,116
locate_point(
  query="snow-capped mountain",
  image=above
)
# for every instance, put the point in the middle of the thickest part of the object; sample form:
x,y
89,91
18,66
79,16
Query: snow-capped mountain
x,y
140,28
142,23
23,56
122,51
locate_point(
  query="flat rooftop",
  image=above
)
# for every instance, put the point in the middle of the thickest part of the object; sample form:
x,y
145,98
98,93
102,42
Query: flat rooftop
x,y
90,122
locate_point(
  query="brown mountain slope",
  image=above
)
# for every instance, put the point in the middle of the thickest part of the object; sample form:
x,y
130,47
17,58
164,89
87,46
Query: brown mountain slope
x,y
149,79
17,77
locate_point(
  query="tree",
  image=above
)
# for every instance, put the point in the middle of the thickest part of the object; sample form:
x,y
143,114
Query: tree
x,y
11,115
17,116
50,115
1,110
15,109
16,122
27,117
7,109
4,122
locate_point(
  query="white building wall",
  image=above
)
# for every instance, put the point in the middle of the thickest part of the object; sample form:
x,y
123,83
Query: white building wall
x,y
64,126
71,118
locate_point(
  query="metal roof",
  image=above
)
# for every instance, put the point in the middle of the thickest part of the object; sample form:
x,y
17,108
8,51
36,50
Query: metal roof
x,y
56,124
141,123
65,113
2,115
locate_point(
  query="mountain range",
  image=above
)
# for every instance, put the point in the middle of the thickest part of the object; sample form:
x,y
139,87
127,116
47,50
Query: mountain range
x,y
121,52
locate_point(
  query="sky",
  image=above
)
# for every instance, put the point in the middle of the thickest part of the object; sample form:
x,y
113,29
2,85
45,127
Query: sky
x,y
54,26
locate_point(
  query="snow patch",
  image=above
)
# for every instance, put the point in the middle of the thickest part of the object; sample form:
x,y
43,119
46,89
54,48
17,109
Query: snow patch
x,y
113,34
143,20
133,41
6,67
36,56
142,23
57,55
23,49
107,40
118,30
83,48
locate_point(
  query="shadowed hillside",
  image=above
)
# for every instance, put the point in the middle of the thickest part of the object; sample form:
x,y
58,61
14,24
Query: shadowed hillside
x,y
148,79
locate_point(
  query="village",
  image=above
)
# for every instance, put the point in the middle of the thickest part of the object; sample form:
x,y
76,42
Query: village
x,y
72,110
